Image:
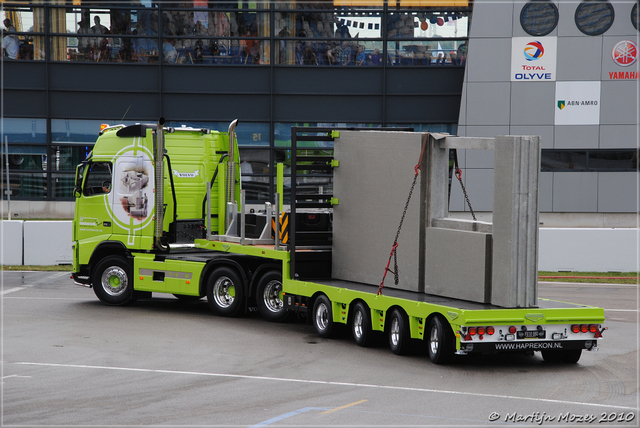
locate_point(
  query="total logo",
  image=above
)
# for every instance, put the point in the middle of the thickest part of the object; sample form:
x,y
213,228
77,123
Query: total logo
x,y
533,51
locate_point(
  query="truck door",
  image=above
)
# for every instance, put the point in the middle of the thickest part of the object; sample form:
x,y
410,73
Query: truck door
x,y
94,223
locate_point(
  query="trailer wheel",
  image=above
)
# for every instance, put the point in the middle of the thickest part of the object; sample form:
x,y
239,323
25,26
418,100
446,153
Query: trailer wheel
x,y
440,341
322,316
571,356
224,292
112,281
399,340
361,325
269,297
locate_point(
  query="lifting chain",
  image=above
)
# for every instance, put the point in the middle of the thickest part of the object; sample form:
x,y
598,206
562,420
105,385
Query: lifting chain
x,y
394,254
459,177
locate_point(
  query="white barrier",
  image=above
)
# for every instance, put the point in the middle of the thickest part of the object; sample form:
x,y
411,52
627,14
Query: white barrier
x,y
47,242
588,250
11,236
561,249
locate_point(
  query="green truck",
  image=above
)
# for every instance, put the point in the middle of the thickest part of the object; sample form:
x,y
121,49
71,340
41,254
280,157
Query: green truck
x,y
161,210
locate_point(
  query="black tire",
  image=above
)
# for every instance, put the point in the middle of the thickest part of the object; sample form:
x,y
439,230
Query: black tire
x,y
113,281
322,316
571,356
399,334
269,297
225,292
440,341
186,298
361,325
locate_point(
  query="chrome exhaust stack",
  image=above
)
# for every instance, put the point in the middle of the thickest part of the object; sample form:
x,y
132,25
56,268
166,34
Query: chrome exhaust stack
x,y
159,161
231,171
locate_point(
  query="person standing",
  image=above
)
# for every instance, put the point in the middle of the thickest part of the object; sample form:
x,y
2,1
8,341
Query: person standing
x,y
10,41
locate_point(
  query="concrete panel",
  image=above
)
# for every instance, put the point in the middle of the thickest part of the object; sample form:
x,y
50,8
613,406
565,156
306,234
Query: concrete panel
x,y
515,222
532,103
576,137
11,238
544,132
480,95
491,19
47,242
618,136
546,192
575,192
608,65
446,276
484,64
618,103
577,56
618,192
579,249
364,227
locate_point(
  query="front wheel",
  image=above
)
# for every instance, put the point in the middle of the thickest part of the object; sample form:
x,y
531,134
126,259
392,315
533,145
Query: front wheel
x,y
112,281
224,292
322,316
269,297
440,341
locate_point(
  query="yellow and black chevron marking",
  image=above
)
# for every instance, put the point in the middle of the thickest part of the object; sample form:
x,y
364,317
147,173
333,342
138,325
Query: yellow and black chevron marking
x,y
284,227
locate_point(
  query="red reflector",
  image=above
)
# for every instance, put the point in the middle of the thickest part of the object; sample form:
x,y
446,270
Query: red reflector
x,y
490,330
575,328
512,329
481,331
593,328
472,331
584,328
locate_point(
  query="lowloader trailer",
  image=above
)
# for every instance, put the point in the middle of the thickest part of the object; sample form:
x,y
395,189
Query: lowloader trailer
x,y
363,204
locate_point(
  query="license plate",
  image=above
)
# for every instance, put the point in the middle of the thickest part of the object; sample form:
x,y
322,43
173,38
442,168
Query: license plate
x,y
531,334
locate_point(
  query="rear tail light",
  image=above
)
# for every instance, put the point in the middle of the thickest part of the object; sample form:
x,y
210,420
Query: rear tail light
x,y
481,331
584,328
512,329
593,328
575,328
490,330
472,331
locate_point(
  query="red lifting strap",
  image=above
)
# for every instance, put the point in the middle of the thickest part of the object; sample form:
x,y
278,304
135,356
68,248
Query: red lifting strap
x,y
417,169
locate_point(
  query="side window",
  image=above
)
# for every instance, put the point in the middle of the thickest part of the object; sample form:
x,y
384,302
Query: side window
x,y
98,180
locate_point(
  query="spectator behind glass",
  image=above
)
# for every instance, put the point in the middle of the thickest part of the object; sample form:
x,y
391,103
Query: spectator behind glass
x,y
360,55
10,42
169,51
375,57
83,42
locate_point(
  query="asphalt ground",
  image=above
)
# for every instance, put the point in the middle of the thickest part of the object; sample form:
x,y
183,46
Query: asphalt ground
x,y
67,359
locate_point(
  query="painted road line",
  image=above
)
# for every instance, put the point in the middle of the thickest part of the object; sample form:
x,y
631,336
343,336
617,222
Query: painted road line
x,y
285,416
343,407
325,382
11,290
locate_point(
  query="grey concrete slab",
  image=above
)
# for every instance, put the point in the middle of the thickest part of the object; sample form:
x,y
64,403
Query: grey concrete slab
x,y
446,276
483,94
372,184
498,13
618,103
489,59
